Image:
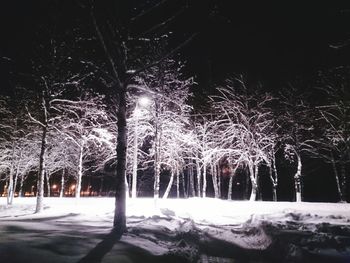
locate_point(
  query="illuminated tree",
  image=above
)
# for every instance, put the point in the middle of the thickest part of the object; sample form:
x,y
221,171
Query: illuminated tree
x,y
173,147
60,157
206,151
13,142
140,128
83,123
247,126
51,78
169,110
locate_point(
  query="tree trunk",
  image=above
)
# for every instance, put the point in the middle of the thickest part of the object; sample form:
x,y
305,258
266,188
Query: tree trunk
x,y
80,172
297,180
257,180
253,183
214,179
20,193
134,164
101,187
274,184
337,179
191,178
177,183
247,182
204,190
14,188
233,171
183,184
276,178
62,183
48,184
198,173
16,177
10,185
170,184
343,181
40,190
120,196
219,180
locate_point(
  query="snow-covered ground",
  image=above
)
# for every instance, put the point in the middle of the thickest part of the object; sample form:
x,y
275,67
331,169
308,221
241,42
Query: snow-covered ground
x,y
184,230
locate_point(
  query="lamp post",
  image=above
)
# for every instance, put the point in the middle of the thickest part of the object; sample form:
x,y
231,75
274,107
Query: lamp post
x,y
141,102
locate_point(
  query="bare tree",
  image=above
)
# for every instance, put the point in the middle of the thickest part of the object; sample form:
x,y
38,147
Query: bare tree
x,y
297,132
140,128
52,74
248,119
169,110
83,122
13,140
207,152
334,144
113,31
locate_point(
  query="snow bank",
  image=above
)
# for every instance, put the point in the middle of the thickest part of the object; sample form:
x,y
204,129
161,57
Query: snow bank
x,y
198,228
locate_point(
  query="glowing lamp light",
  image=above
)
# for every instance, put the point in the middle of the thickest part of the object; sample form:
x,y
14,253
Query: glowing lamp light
x,y
54,186
144,101
72,187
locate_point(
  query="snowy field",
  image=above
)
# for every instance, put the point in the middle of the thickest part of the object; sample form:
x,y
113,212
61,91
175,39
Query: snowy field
x,y
191,230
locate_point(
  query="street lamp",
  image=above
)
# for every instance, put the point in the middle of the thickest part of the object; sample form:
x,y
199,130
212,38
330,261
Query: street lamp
x,y
142,102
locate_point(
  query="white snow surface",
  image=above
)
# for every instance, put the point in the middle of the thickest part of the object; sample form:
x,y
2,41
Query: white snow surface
x,y
195,228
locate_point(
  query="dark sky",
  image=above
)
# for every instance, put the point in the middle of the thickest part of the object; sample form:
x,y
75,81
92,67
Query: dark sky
x,y
270,42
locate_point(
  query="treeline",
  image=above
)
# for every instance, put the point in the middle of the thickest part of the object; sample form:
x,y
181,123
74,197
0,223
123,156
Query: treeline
x,y
69,131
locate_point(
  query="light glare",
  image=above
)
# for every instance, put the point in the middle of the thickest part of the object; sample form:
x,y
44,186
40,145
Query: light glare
x,y
144,101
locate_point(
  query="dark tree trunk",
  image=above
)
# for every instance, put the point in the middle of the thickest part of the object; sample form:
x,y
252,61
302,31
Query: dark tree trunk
x,y
343,181
41,175
257,179
177,183
10,185
219,180
48,184
120,195
191,178
20,193
101,187
183,184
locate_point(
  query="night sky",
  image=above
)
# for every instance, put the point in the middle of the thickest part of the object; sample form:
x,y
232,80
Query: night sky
x,y
272,42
